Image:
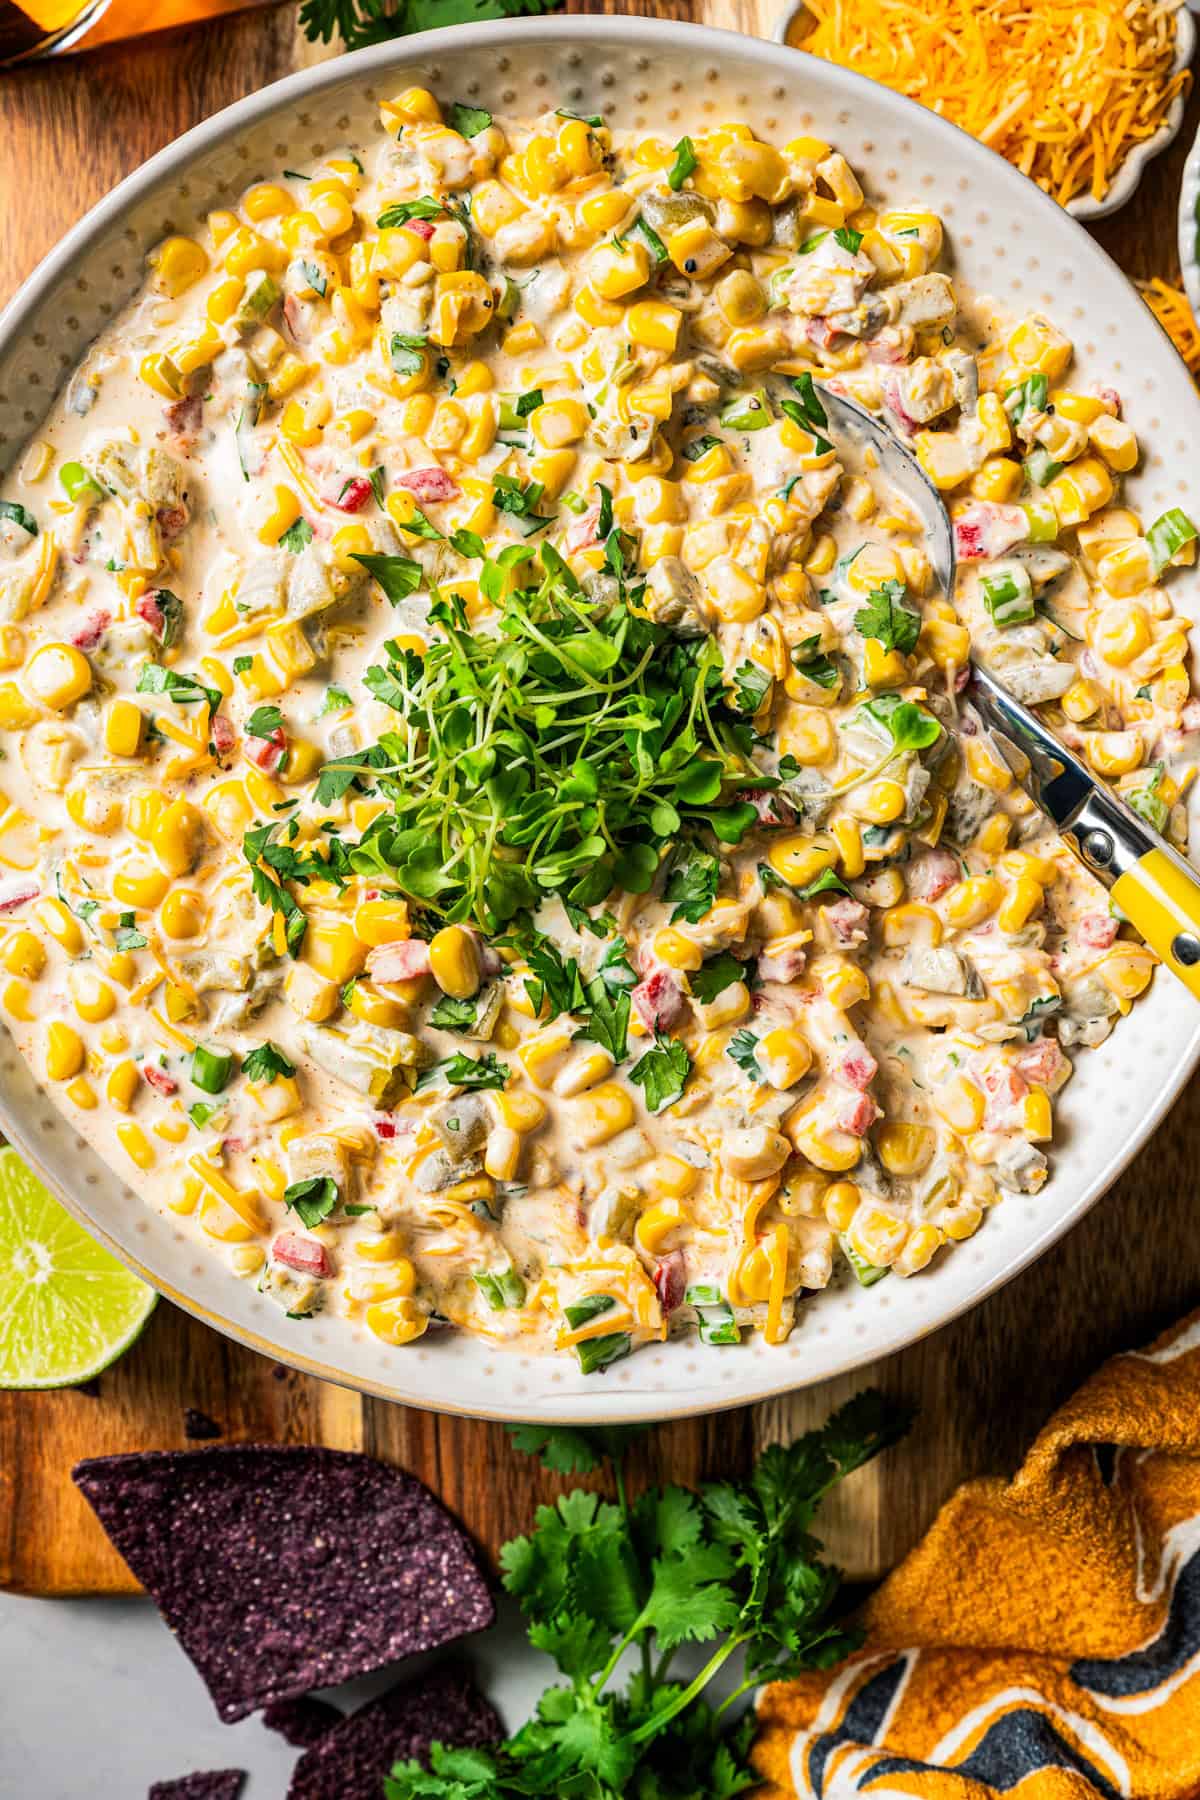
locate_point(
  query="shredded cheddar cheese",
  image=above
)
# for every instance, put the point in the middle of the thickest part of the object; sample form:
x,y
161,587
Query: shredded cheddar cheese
x,y
1170,307
1064,91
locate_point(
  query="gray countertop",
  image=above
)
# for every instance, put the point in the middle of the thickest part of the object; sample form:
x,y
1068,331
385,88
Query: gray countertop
x,y
98,1699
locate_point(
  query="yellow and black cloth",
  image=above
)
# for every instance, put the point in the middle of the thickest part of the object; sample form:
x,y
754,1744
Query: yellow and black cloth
x,y
1043,1640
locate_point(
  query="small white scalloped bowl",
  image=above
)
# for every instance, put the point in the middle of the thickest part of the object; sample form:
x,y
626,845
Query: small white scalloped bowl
x,y
1006,238
1189,226
1131,170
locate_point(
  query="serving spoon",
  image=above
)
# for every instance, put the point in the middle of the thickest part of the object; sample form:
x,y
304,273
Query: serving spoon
x,y
1152,884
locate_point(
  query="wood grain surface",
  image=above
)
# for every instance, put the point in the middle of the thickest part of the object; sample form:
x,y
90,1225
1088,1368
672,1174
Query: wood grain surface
x,y
68,132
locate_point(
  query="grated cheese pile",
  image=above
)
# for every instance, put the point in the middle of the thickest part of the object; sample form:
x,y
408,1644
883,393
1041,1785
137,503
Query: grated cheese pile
x,y
1170,307
1063,90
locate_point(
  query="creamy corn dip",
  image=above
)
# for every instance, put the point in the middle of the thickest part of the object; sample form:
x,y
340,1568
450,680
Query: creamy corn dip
x,y
489,833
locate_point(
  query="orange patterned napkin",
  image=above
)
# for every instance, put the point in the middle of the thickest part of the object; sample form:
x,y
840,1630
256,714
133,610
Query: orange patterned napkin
x,y
1044,1635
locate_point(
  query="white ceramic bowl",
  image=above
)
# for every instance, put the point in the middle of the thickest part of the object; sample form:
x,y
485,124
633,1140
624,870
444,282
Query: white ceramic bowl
x,y
1006,238
1131,170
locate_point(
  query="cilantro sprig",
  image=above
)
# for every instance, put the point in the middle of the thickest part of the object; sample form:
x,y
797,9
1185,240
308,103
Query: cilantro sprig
x,y
731,1568
886,618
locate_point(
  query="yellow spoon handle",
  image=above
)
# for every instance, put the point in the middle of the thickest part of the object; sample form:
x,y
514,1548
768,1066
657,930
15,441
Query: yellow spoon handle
x,y
1162,899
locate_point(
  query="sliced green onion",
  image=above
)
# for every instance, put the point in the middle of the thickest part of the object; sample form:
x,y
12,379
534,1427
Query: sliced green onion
x,y
685,164
212,1069
509,300
719,1331
201,1112
650,237
1043,520
1167,536
703,1293
78,484
596,1353
1026,396
1008,595
574,502
1146,800
865,1273
501,1288
1040,466
749,412
589,1308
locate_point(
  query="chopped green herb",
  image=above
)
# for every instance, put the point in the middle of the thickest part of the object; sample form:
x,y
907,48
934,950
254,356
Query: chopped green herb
x,y
468,1072
264,722
403,210
887,620
20,515
740,1049
398,576
468,121
686,163
407,353
714,976
313,1199
264,1064
662,1072
185,690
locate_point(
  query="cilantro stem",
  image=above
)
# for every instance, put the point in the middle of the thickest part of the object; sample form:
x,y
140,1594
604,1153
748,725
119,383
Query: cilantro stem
x,y
618,1463
694,1689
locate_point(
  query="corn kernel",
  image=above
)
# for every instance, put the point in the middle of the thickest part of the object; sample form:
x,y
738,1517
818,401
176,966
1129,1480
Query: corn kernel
x,y
58,675
65,1054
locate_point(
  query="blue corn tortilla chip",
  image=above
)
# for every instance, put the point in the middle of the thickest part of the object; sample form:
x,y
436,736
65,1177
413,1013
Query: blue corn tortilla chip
x,y
351,1761
207,1784
283,1569
303,1720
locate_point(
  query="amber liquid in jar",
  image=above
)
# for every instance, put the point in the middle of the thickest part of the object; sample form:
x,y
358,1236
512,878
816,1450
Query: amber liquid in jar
x,y
44,27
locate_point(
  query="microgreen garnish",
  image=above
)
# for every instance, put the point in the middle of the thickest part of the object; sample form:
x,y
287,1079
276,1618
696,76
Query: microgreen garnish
x,y
582,739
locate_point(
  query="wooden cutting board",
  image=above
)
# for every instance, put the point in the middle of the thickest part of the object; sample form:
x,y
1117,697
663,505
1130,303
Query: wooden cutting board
x,y
983,1384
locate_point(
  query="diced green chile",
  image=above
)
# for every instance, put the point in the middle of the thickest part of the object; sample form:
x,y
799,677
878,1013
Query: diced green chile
x,y
596,1353
865,1273
500,1288
212,1068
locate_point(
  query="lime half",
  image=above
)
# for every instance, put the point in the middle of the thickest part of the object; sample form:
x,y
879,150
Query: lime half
x,y
67,1308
